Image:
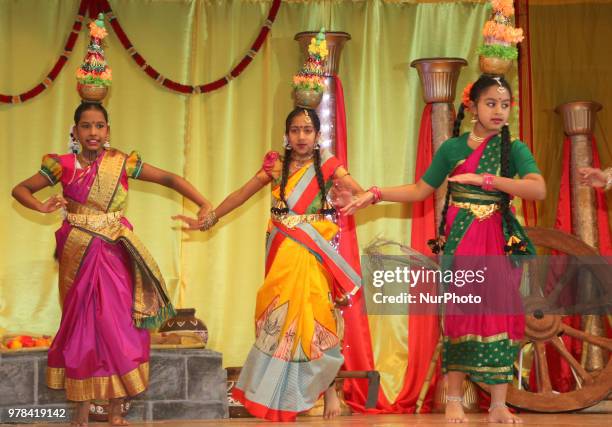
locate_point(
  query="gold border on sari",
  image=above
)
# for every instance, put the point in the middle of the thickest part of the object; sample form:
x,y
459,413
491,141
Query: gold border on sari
x,y
70,262
111,387
479,338
107,180
455,367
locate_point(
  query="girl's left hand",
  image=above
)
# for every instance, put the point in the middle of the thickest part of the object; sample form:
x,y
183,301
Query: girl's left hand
x,y
467,178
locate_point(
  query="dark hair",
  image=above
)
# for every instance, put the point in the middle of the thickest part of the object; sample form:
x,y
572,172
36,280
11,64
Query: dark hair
x,y
484,82
316,158
85,106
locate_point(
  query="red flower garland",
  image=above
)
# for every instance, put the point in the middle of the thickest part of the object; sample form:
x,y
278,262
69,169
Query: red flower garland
x,y
59,64
183,88
105,7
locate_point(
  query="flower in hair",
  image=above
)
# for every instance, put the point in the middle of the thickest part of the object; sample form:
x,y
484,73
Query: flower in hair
x,y
465,98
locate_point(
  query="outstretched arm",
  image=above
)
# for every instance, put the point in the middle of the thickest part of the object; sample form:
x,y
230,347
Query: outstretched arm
x,y
244,193
180,185
401,194
231,202
24,194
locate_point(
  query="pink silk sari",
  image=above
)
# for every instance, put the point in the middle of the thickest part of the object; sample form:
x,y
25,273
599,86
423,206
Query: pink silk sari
x,y
98,352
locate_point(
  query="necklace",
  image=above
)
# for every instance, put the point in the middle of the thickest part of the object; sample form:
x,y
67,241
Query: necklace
x,y
301,162
476,138
82,159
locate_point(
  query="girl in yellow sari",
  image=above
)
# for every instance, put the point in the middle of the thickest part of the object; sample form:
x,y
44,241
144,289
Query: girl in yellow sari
x,y
296,354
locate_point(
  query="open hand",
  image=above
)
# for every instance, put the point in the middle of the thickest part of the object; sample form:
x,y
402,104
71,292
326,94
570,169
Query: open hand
x,y
592,177
467,178
53,203
357,203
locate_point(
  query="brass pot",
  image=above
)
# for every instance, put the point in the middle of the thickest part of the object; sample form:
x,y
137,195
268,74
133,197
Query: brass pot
x,y
493,65
92,93
307,98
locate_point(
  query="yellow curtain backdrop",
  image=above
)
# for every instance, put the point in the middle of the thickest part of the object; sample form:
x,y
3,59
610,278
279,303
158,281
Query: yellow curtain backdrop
x,y
216,140
570,61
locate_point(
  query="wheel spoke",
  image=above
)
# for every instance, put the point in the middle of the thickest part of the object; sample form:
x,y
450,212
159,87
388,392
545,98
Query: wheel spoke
x,y
544,385
592,339
553,296
560,346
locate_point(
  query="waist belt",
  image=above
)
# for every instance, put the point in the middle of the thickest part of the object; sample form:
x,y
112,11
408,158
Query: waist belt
x,y
481,212
94,221
291,221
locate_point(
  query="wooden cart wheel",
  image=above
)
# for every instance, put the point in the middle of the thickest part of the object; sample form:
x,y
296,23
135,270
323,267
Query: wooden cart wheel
x,y
542,328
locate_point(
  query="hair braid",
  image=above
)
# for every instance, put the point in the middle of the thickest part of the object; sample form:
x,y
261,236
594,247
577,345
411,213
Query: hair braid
x,y
284,177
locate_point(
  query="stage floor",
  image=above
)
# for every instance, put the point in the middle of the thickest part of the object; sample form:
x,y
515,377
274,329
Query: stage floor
x,y
391,420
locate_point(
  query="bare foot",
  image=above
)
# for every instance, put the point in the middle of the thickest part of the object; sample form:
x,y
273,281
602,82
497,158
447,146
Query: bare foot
x,y
454,413
81,414
503,415
114,413
331,407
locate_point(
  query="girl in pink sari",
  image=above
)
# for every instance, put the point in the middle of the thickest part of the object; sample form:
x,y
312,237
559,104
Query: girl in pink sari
x,y
478,230
111,289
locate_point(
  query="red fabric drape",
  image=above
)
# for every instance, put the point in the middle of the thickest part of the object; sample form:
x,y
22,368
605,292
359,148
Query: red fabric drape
x,y
423,331
357,348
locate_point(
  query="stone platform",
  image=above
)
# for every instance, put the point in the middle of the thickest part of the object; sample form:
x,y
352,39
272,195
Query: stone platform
x,y
184,384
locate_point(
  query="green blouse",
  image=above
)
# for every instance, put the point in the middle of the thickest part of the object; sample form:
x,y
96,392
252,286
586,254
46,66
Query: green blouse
x,y
454,150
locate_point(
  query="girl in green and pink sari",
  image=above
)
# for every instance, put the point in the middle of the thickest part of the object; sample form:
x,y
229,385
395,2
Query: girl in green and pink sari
x,y
478,230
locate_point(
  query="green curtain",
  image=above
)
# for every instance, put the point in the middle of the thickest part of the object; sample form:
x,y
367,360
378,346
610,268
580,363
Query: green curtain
x,y
216,140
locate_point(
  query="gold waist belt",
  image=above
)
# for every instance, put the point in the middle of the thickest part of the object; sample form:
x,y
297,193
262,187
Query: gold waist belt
x,y
481,212
94,221
291,221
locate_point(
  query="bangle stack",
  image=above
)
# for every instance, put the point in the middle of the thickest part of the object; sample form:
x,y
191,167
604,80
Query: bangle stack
x,y
487,182
209,222
377,194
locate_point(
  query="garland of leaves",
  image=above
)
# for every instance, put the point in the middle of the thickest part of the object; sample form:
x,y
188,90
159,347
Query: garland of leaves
x,y
59,64
180,87
105,7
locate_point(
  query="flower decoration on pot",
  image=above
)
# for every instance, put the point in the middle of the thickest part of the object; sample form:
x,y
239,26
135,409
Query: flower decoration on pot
x,y
500,39
309,82
94,76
